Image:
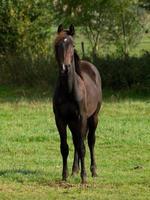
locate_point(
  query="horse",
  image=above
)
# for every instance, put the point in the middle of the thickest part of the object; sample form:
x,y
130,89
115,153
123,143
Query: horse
x,y
77,101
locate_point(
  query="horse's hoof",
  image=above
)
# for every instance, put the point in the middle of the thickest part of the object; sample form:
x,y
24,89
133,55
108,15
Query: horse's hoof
x,y
65,176
64,179
84,180
75,172
94,175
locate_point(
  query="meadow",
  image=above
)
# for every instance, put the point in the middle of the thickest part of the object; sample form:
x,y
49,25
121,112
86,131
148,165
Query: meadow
x,y
30,165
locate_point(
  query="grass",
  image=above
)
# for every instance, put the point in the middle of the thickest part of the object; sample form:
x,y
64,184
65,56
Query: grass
x,y
30,166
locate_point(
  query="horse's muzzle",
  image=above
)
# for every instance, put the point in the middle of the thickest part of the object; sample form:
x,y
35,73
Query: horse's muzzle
x,y
64,69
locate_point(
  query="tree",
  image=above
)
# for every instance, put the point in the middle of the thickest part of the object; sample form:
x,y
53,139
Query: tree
x,y
92,15
25,26
145,4
8,27
117,22
128,25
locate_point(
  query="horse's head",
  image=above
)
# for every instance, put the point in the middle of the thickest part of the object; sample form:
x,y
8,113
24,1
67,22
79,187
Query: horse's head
x,y
64,49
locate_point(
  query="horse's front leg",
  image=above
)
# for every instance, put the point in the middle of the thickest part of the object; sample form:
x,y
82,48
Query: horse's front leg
x,y
82,158
61,126
92,124
81,147
75,167
78,129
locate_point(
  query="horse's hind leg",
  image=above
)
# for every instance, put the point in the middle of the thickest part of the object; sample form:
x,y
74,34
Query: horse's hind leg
x,y
92,124
61,126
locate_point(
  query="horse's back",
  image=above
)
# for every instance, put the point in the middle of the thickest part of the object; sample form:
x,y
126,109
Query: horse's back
x,y
88,69
92,82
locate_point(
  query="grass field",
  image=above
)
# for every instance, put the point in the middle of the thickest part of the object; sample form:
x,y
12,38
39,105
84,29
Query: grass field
x,y
30,161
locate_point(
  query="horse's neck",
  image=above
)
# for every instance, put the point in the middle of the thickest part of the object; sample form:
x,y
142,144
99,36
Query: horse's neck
x,y
69,86
66,84
76,77
77,63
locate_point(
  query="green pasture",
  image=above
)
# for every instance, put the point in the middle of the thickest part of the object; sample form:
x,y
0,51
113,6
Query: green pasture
x,y
30,160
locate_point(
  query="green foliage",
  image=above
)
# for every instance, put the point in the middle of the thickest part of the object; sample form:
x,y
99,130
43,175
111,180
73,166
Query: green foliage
x,y
8,27
93,16
128,25
145,4
105,22
117,73
24,70
25,42
25,26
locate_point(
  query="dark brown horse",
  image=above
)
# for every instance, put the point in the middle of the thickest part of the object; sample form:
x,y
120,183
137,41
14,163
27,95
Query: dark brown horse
x,y
76,103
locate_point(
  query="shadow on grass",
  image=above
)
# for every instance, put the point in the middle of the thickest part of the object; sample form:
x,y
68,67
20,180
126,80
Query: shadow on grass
x,y
25,175
19,171
126,94
13,94
36,176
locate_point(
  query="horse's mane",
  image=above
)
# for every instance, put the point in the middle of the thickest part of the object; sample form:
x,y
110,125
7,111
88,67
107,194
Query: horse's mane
x,y
77,63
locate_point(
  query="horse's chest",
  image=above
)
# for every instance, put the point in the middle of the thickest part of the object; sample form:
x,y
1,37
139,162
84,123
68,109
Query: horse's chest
x,y
68,110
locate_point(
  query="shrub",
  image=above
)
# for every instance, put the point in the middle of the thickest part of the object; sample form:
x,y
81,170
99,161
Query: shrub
x,y
23,70
120,73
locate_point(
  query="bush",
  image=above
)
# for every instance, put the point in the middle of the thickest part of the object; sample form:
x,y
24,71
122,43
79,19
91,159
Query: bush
x,y
116,73
120,73
23,70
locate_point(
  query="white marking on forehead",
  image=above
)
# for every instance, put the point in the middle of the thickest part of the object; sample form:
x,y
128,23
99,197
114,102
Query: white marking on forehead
x,y
65,40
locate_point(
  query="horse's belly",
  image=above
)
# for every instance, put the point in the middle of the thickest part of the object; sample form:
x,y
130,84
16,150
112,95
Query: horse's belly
x,y
68,111
91,108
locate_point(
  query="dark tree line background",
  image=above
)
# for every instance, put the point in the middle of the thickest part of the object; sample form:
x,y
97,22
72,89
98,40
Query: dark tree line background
x,y
111,28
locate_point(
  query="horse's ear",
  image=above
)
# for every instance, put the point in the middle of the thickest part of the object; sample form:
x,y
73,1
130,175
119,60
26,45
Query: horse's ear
x,y
71,30
60,28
